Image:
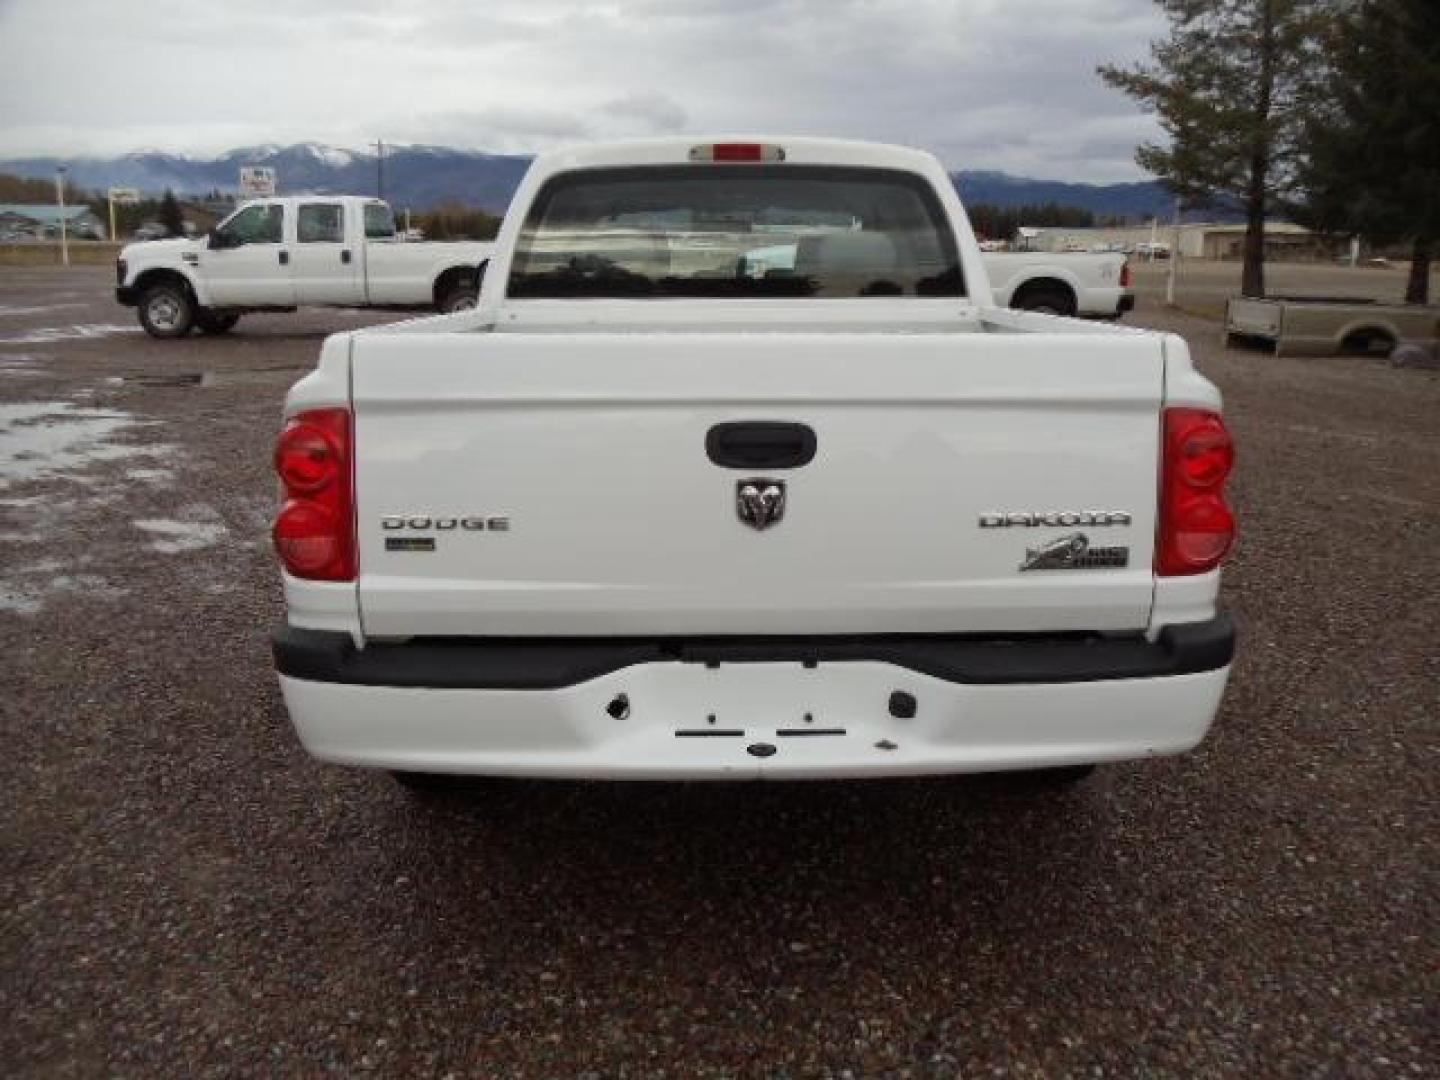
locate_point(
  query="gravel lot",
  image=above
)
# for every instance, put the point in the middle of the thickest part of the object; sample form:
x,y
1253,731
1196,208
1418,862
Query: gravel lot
x,y
185,893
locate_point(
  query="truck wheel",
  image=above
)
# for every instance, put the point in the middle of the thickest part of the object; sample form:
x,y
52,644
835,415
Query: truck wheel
x,y
211,323
457,298
166,310
1048,301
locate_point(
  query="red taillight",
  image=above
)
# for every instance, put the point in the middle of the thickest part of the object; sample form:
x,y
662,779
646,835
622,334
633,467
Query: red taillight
x,y
306,457
1196,524
737,151
1125,277
315,530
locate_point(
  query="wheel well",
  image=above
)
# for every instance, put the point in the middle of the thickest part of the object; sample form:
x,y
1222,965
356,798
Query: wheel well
x,y
456,275
1362,341
1043,285
162,276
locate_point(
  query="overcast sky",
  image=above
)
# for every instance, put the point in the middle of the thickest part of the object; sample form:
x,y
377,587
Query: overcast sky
x,y
985,84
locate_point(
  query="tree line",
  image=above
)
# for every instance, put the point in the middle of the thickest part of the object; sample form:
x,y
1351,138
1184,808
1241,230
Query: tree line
x,y
1326,111
1001,222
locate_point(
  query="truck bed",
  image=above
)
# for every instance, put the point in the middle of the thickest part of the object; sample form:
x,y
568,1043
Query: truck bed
x,y
1329,325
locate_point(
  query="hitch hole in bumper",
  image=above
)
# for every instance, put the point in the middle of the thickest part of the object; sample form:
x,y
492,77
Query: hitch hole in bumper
x,y
902,705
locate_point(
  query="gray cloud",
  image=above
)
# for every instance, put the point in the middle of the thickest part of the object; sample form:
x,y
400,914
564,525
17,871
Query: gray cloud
x,y
983,83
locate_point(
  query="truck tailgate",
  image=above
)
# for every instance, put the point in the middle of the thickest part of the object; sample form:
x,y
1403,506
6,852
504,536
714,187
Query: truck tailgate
x,y
560,483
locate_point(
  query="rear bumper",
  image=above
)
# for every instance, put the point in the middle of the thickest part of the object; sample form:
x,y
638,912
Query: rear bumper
x,y
824,713
127,295
1127,303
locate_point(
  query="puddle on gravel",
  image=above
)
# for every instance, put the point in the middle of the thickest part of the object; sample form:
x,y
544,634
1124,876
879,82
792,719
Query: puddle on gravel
x,y
210,379
20,366
51,439
45,335
184,378
12,309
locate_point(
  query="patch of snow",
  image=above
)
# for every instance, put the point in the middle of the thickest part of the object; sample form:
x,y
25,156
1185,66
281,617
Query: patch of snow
x,y
46,335
150,476
23,588
177,537
45,439
329,155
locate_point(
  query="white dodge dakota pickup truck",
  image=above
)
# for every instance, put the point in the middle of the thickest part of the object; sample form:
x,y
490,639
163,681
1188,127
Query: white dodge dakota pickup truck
x,y
656,510
284,253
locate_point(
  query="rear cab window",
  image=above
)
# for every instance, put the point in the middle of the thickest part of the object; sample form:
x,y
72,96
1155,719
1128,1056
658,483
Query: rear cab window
x,y
379,222
320,223
735,231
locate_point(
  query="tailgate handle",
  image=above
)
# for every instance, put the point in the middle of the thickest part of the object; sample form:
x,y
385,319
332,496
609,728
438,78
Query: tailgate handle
x,y
760,444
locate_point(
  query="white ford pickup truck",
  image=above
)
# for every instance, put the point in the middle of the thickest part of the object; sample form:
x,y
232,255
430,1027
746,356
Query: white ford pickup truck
x,y
284,253
652,510
1094,285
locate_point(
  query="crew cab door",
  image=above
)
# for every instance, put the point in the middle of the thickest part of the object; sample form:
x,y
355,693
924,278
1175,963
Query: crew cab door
x,y
324,264
395,271
248,262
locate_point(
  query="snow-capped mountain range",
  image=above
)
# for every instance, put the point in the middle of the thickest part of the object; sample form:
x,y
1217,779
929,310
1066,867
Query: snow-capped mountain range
x,y
422,177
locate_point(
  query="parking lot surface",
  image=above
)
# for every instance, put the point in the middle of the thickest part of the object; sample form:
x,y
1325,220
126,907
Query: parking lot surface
x,y
185,893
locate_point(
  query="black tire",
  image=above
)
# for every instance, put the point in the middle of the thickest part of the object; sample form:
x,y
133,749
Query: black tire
x,y
166,310
1376,343
424,785
458,297
1048,300
209,322
1062,777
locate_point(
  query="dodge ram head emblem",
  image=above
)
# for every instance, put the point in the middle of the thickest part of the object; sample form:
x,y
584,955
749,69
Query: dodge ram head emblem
x,y
760,502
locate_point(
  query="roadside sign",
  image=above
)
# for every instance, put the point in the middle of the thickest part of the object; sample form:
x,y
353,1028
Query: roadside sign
x,y
124,196
257,181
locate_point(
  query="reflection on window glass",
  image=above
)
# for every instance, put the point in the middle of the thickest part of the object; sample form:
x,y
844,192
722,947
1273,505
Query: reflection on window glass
x,y
379,222
736,231
319,223
260,224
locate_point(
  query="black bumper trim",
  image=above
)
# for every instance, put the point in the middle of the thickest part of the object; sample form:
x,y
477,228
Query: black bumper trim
x,y
127,295
551,663
1127,303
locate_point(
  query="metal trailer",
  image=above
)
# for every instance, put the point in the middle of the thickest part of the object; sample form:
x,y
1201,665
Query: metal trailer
x,y
1329,326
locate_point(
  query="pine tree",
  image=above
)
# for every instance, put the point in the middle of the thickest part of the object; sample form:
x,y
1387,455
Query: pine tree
x,y
170,215
1372,142
1229,86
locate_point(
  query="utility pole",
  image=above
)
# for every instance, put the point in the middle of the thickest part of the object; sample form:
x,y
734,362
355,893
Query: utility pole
x,y
60,198
379,145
